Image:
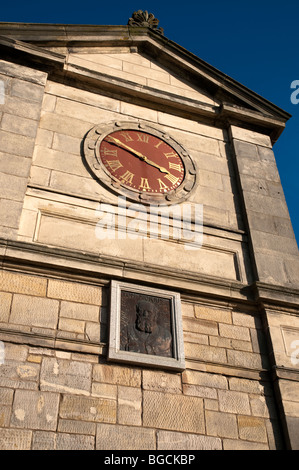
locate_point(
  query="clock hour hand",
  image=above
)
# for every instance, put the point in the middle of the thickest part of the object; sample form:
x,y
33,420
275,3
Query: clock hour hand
x,y
138,154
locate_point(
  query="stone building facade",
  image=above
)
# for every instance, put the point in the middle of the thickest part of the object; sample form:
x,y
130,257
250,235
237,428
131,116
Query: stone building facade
x,y
238,289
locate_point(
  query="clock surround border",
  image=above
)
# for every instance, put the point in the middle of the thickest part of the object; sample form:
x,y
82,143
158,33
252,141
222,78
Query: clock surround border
x,y
97,134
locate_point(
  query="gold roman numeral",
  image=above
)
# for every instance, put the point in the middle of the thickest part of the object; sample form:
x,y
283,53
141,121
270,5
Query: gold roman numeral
x,y
144,184
172,178
127,136
127,177
142,138
158,144
110,152
114,164
162,185
175,166
170,154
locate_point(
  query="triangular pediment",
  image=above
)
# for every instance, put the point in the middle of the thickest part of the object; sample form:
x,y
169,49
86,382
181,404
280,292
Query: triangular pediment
x,y
141,63
140,69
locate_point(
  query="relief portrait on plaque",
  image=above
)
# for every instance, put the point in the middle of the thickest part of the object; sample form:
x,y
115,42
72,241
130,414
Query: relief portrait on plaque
x,y
146,324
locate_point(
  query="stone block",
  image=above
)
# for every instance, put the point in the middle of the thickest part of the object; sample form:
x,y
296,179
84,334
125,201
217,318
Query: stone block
x,y
76,427
200,326
43,440
117,375
67,144
252,428
75,292
173,412
5,303
129,406
234,444
114,437
246,150
199,391
293,431
250,136
66,376
234,402
40,176
104,390
12,187
69,442
34,311
30,91
247,359
17,145
168,440
213,314
88,409
22,283
221,424
161,381
13,165
15,439
6,396
69,126
205,353
19,125
62,161
202,378
24,73
74,326
10,213
234,332
35,410
78,311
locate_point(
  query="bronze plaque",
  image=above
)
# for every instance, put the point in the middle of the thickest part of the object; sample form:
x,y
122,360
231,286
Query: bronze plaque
x,y
145,324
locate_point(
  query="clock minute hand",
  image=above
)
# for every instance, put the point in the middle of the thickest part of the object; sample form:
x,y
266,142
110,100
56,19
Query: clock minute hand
x,y
138,154
121,144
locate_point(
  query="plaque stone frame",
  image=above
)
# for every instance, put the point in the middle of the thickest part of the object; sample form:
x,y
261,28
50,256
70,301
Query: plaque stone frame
x,y
164,344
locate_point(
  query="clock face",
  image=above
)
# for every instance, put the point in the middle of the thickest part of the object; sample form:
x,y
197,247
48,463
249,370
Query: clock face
x,y
142,161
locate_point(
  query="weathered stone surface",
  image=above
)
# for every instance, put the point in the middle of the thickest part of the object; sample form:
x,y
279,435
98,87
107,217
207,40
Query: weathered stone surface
x,y
252,428
76,427
221,424
5,302
234,402
75,292
88,409
66,441
22,283
43,440
161,381
234,444
168,411
34,311
15,439
66,376
213,314
35,410
114,437
168,440
117,375
204,379
129,406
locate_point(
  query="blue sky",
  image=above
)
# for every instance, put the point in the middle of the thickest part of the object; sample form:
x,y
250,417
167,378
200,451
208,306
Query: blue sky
x,y
255,42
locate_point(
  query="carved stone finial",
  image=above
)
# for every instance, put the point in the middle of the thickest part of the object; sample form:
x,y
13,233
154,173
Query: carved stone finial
x,y
145,19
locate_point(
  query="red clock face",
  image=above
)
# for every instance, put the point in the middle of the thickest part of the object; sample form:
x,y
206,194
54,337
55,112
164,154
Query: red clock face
x,y
142,161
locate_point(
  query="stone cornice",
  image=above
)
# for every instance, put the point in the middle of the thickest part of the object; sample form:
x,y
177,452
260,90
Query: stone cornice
x,y
98,269
243,105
